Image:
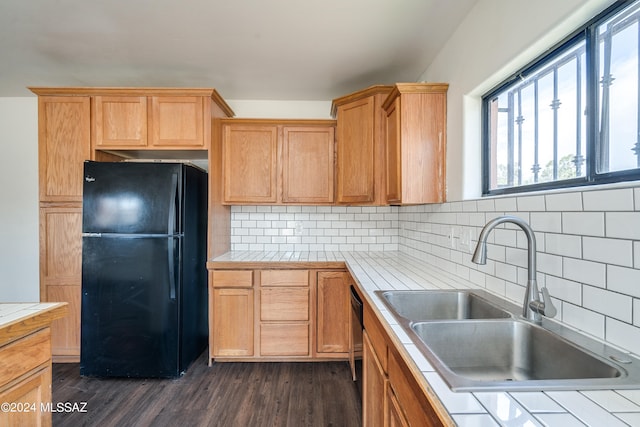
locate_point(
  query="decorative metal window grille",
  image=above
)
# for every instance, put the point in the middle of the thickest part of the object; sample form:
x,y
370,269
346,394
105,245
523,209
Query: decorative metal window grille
x,y
539,129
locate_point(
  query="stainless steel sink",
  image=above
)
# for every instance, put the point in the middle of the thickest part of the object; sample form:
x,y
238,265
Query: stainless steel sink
x,y
478,342
441,305
510,354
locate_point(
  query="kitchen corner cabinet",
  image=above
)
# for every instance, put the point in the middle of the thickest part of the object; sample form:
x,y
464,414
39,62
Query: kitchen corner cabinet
x,y
391,394
416,143
277,161
278,314
360,141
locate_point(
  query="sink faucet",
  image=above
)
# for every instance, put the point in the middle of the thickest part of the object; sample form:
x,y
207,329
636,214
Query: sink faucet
x,y
532,307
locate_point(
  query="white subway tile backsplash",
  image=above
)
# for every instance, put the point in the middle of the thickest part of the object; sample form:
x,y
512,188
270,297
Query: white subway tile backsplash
x,y
608,200
583,223
624,280
623,335
588,245
546,221
588,272
583,319
563,244
506,204
623,225
610,251
609,303
565,290
531,203
563,202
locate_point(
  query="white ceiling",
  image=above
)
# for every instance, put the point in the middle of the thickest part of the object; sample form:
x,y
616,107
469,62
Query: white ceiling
x,y
246,49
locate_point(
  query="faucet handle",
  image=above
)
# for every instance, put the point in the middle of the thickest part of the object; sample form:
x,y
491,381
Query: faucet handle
x,y
549,309
544,307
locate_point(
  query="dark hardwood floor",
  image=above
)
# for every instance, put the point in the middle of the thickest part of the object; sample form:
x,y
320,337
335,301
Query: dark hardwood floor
x,y
225,394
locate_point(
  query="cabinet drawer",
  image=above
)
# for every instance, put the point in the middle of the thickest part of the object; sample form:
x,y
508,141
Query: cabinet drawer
x,y
284,339
232,278
284,304
25,354
293,278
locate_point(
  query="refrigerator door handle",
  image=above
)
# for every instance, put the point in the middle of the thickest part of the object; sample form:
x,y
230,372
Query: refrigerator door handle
x,y
171,226
172,267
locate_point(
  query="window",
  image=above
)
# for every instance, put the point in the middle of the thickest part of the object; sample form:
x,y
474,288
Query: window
x,y
571,117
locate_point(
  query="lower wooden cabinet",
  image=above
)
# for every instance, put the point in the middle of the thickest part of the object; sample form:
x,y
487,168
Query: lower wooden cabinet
x,y
279,314
395,417
332,312
232,333
285,339
391,394
31,395
374,386
61,275
25,369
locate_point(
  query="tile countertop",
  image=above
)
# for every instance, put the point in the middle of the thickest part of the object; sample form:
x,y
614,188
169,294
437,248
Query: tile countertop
x,y
395,270
19,318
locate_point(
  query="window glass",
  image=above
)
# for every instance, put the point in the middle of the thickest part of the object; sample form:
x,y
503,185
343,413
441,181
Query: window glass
x,y
539,130
617,40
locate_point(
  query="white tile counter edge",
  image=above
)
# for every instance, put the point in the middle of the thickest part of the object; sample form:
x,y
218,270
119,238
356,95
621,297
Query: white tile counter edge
x,y
396,270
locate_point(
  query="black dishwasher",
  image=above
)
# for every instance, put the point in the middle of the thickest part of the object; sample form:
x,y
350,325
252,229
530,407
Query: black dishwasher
x,y
355,338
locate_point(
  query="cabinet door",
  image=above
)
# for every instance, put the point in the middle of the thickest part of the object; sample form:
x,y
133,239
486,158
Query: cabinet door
x,y
411,400
120,121
177,122
32,391
332,329
307,164
395,417
355,160
64,135
61,273
250,163
232,322
374,386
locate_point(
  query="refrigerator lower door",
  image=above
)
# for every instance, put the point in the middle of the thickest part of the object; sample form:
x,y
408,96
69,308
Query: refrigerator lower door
x,y
130,304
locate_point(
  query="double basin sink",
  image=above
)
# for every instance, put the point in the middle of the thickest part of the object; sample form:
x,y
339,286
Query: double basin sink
x,y
478,342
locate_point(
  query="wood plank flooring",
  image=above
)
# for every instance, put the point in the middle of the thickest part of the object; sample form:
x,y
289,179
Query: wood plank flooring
x,y
225,394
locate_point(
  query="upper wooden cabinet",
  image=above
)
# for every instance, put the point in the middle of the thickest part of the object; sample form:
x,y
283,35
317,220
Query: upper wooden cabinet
x,y
416,123
250,153
119,121
277,161
150,122
64,144
360,162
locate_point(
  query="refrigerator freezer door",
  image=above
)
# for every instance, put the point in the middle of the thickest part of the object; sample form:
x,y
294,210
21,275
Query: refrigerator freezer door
x,y
132,198
129,308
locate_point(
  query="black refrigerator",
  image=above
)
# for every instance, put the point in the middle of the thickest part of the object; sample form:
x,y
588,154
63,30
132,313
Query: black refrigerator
x,y
144,277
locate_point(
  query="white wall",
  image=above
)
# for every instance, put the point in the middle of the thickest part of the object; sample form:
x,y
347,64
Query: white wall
x,y
494,40
281,109
19,265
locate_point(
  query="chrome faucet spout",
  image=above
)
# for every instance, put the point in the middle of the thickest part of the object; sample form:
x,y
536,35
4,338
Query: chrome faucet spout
x,y
532,306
